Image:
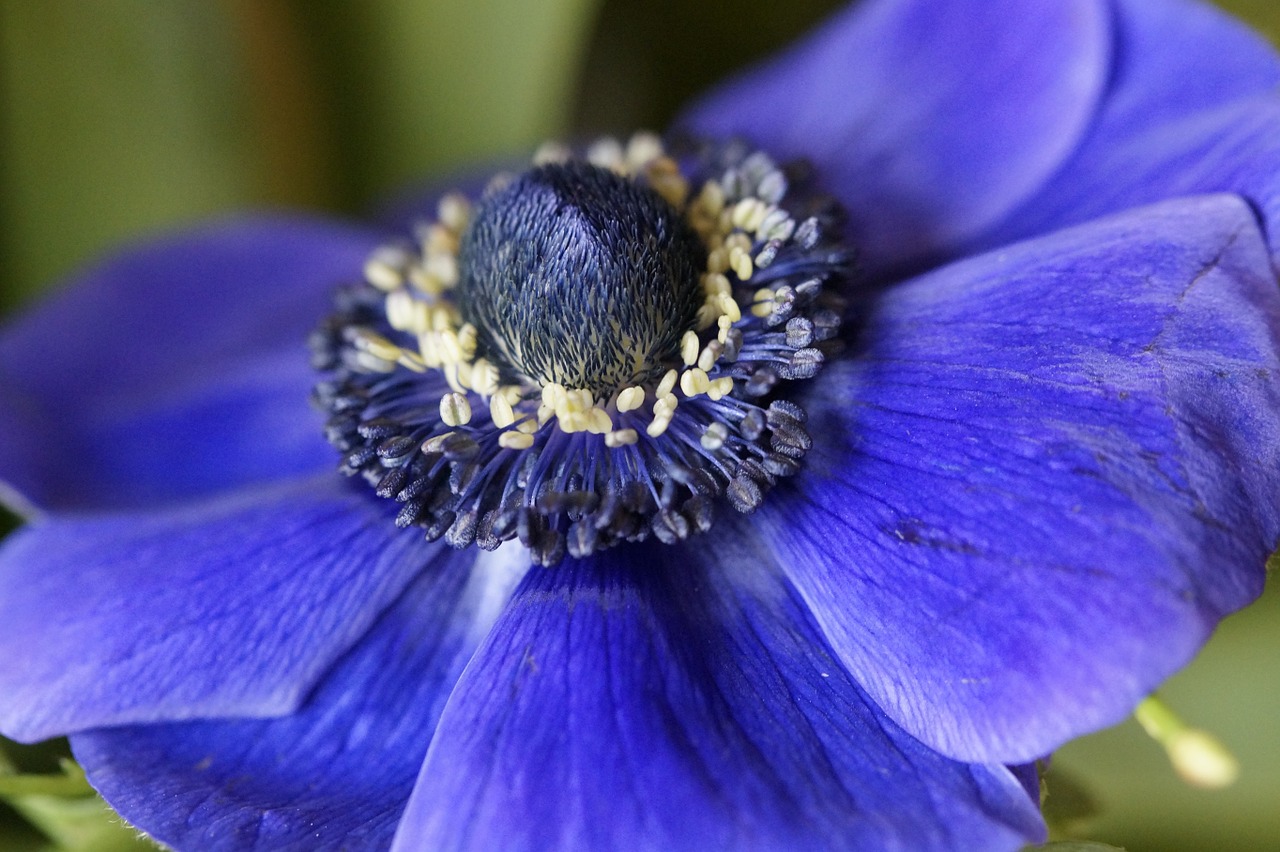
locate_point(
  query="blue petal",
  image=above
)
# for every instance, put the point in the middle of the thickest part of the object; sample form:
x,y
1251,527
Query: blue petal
x,y
1193,108
334,775
233,606
929,119
1044,476
1175,57
682,698
175,369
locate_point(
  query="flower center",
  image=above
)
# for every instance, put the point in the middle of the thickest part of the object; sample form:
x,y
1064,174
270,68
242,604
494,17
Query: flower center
x,y
577,276
597,351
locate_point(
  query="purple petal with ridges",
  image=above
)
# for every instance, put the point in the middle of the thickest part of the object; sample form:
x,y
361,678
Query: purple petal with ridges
x,y
1192,108
682,698
230,607
1044,475
174,369
929,119
337,773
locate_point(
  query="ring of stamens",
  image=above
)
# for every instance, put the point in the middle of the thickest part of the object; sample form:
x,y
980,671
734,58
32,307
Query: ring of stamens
x,y
478,453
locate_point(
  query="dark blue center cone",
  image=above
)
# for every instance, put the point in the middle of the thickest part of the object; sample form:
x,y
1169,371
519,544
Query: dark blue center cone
x,y
575,275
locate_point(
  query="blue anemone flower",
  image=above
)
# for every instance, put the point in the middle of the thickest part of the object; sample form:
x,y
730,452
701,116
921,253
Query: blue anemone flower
x,y
1038,469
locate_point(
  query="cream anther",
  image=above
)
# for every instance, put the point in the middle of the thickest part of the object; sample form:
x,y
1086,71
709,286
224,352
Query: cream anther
x,y
455,410
621,438
629,399
500,411
667,384
714,437
694,382
515,440
689,346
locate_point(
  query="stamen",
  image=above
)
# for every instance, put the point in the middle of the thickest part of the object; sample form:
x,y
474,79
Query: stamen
x,y
590,353
454,409
621,438
689,348
629,399
501,412
1196,755
665,386
694,382
515,440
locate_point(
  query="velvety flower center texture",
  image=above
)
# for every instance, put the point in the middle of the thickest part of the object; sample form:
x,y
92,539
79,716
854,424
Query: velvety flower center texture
x,y
574,275
594,351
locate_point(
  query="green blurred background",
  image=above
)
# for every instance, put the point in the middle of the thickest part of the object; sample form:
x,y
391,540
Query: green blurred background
x,y
121,117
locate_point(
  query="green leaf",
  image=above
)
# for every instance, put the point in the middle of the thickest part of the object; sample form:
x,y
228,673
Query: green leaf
x,y
69,782
55,810
83,824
